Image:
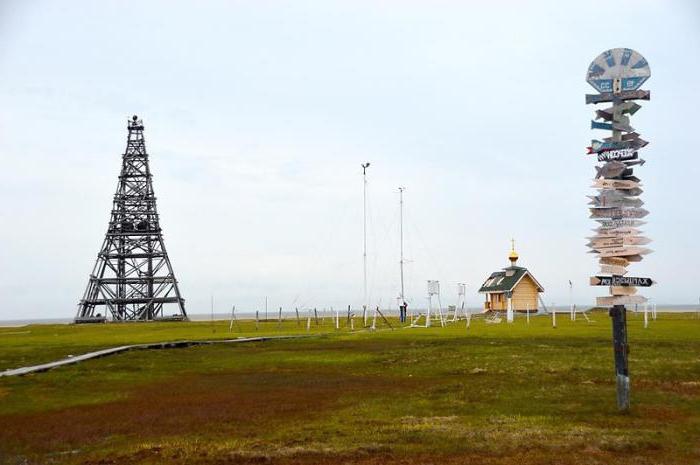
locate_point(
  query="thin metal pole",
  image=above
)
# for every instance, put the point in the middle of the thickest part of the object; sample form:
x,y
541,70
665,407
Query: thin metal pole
x,y
364,241
401,189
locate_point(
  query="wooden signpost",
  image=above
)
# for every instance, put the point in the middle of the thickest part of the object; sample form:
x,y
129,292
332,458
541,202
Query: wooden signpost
x,y
625,252
603,232
614,201
604,242
618,154
611,169
632,142
622,300
613,269
614,184
617,75
620,281
607,97
618,223
622,212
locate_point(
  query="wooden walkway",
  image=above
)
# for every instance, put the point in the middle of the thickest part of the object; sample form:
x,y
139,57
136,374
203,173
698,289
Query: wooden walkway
x,y
116,350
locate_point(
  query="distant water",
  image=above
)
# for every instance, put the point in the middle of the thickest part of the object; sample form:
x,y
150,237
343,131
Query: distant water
x,y
303,314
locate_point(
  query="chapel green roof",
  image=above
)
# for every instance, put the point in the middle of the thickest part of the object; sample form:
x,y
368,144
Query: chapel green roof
x,y
503,281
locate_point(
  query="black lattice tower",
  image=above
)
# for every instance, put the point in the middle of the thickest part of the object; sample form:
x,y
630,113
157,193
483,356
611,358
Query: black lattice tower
x,y
132,278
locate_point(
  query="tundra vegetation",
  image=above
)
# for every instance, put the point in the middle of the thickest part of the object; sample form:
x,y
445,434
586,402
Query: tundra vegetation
x,y
491,394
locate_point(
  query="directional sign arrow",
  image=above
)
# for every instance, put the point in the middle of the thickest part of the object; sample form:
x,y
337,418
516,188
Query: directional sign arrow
x,y
639,162
618,154
625,251
628,107
615,184
622,96
605,212
614,261
612,269
600,243
608,191
614,201
636,240
632,136
611,169
619,223
621,281
623,290
620,300
605,114
615,232
598,146
615,125
627,177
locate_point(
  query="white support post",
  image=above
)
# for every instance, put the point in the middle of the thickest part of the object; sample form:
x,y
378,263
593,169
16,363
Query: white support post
x,y
509,310
337,320
427,315
554,317
374,319
571,302
528,313
646,316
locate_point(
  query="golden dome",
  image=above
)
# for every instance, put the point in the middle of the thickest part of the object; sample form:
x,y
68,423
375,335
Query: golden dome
x,y
513,256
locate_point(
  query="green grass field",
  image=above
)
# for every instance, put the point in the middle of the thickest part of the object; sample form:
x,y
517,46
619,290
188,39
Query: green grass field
x,y
493,394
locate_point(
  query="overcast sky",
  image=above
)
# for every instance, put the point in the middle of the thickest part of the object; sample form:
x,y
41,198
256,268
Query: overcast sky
x,y
259,113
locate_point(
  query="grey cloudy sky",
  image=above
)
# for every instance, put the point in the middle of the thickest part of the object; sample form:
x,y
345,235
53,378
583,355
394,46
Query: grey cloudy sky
x,y
259,113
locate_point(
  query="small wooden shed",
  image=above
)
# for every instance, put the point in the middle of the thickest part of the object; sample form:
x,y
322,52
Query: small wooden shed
x,y
513,287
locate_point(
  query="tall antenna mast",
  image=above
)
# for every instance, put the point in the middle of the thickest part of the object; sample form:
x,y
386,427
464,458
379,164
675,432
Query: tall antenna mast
x,y
401,189
364,240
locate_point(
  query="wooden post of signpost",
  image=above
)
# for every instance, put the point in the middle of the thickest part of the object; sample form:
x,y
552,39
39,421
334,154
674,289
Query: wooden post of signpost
x,y
617,75
618,313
